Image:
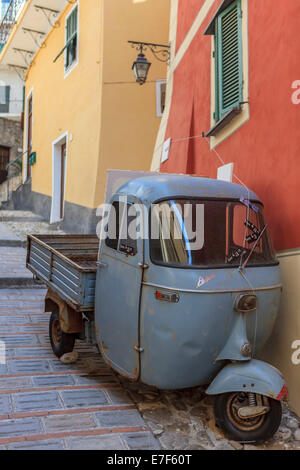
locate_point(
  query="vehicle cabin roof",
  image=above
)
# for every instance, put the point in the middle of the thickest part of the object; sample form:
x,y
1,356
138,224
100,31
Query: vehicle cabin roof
x,y
165,186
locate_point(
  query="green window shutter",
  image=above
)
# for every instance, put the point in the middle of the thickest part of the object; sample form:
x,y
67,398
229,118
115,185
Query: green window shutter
x,y
229,74
71,38
72,24
7,97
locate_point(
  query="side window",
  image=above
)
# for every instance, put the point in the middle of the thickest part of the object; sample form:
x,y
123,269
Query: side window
x,y
122,228
228,53
128,242
161,86
71,46
114,222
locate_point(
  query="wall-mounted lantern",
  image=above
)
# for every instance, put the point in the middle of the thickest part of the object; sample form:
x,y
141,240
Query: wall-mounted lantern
x,y
141,66
32,159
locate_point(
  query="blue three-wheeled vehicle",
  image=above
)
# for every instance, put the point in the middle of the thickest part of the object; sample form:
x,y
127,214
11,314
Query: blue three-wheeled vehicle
x,y
175,311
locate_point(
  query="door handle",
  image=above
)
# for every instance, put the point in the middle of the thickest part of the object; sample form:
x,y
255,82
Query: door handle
x,y
101,265
143,265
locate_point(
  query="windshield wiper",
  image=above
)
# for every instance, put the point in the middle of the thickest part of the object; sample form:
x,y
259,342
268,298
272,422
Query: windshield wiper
x,y
253,248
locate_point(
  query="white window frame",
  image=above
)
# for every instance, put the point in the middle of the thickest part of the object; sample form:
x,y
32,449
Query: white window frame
x,y
159,111
56,176
25,156
68,70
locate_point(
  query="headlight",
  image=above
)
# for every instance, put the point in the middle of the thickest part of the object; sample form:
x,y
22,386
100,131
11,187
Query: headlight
x,y
246,303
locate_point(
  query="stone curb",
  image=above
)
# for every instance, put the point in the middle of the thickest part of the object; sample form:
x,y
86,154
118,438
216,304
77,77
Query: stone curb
x,y
21,219
13,243
24,282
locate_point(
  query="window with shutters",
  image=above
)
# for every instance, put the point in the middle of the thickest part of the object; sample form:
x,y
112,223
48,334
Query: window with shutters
x,y
228,57
4,99
71,46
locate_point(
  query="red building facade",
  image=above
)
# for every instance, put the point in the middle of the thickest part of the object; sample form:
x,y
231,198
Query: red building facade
x,y
235,78
265,150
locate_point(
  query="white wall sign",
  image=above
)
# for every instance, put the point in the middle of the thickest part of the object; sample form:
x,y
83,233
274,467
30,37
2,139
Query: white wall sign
x,y
166,150
225,172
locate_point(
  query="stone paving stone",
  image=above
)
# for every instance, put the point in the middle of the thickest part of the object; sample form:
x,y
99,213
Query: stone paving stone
x,y
32,352
85,364
15,320
88,348
28,366
6,233
57,366
67,423
101,442
13,262
120,418
19,340
141,441
22,329
53,380
11,383
40,318
20,427
5,405
40,401
9,353
44,339
95,379
38,445
23,294
84,398
119,397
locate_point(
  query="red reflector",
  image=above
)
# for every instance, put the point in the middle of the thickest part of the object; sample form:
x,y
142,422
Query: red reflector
x,y
283,393
167,297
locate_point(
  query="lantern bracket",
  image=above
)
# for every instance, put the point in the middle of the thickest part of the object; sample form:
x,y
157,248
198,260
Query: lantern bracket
x,y
160,51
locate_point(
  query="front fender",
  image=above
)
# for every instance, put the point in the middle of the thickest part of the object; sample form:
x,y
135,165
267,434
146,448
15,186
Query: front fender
x,y
253,376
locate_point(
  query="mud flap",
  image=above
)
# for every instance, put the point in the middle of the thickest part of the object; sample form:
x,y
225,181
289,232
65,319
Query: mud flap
x,y
253,376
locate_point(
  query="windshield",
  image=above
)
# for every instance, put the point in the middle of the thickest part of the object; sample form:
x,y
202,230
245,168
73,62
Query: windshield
x,y
197,233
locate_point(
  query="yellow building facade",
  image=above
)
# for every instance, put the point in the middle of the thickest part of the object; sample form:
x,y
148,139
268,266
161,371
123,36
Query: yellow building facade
x,y
84,112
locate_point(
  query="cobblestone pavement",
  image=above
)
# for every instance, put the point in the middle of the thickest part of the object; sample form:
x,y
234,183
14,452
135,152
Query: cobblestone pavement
x,y
12,264
45,404
184,420
21,223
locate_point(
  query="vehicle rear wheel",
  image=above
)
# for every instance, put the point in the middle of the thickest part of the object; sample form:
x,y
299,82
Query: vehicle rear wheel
x,y
255,429
61,342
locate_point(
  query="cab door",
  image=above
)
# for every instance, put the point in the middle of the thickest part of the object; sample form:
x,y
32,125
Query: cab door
x,y
118,290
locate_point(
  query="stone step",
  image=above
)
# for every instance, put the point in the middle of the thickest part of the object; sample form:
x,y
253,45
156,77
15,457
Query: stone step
x,y
9,239
13,243
19,216
13,271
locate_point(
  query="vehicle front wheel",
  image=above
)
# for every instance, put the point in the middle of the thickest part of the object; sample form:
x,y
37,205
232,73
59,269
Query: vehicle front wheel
x,y
255,429
61,342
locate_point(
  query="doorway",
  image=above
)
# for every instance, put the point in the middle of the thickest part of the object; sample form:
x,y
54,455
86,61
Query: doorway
x,y
59,165
29,136
4,160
